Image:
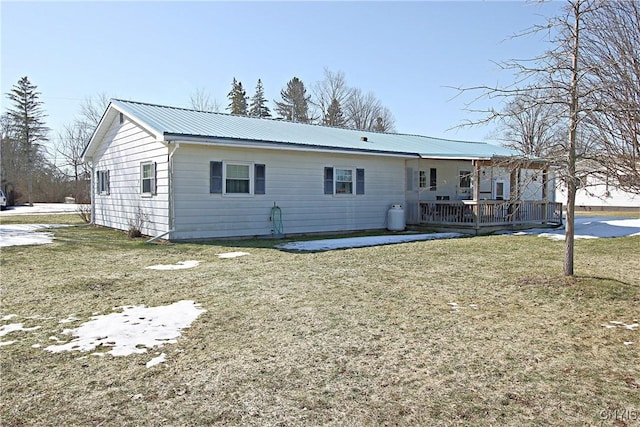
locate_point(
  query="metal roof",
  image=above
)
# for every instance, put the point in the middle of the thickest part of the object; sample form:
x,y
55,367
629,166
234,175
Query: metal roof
x,y
173,123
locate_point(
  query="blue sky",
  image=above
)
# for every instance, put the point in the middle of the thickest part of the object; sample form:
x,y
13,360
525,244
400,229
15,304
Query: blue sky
x,y
407,53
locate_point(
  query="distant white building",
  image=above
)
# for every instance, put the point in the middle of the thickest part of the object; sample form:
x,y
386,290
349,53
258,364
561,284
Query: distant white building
x,y
597,195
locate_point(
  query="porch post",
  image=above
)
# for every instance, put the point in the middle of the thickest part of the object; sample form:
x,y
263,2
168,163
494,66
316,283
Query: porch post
x,y
545,194
476,192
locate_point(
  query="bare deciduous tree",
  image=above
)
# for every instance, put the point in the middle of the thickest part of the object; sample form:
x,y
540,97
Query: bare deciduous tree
x,y
366,112
201,100
330,96
558,80
611,52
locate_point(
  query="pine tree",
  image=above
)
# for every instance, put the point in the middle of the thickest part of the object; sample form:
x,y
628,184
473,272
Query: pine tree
x,y
237,99
27,117
334,116
295,102
259,103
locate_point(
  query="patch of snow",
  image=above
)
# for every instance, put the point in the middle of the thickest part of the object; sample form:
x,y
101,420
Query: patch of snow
x,y
9,317
360,242
3,343
628,342
42,208
25,234
474,306
617,324
232,254
53,338
133,330
69,319
12,327
180,265
586,227
157,360
36,346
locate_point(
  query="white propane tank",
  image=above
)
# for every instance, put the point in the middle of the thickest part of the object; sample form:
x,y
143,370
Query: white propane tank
x,y
395,218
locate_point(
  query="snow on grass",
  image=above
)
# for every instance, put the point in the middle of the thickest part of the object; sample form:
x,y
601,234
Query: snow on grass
x,y
180,265
25,234
13,327
133,331
586,227
231,254
157,360
360,242
43,208
8,317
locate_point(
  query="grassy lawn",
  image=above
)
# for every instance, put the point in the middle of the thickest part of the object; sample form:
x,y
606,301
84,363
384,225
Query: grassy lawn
x,y
350,337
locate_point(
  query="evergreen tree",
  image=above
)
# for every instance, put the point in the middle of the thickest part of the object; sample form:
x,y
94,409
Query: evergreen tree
x,y
237,99
259,103
334,115
27,117
295,102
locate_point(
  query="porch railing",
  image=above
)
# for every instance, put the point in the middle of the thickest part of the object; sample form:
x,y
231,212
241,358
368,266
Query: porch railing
x,y
483,213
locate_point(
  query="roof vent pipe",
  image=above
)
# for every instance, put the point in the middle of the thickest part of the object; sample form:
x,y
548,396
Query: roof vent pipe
x,y
364,138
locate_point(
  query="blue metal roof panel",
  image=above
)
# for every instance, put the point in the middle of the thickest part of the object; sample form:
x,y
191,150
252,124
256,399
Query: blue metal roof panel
x,y
180,121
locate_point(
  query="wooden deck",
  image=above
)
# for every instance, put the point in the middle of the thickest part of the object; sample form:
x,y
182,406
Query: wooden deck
x,y
490,215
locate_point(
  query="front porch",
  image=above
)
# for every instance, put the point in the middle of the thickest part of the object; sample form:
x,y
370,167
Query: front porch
x,y
485,216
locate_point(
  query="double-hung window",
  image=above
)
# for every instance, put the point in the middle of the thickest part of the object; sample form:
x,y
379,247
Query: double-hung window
x,y
343,181
102,182
237,178
147,178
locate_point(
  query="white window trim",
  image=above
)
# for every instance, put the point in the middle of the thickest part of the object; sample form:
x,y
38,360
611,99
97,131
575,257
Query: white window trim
x,y
353,181
142,179
251,166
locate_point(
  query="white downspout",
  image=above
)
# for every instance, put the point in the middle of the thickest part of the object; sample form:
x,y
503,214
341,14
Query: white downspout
x,y
172,216
92,192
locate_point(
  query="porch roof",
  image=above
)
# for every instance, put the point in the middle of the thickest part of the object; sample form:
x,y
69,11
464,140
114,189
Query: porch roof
x,y
176,124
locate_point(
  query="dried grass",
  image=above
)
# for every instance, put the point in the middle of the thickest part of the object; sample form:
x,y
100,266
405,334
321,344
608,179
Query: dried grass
x,y
352,337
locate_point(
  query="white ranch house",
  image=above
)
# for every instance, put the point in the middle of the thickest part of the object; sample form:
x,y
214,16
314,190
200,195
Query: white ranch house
x,y
201,175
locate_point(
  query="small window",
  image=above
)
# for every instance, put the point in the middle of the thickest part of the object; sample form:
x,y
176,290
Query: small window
x,y
148,178
237,179
102,180
465,179
260,179
344,181
423,179
433,179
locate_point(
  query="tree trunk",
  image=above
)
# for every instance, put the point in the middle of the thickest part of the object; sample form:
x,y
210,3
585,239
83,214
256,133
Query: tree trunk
x,y
572,183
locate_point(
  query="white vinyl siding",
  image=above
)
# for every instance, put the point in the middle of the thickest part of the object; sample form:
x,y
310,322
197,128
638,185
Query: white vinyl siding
x,y
122,151
294,181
